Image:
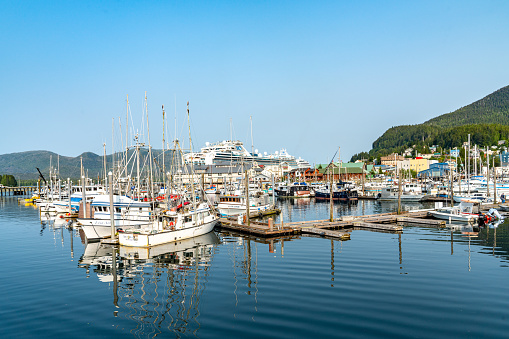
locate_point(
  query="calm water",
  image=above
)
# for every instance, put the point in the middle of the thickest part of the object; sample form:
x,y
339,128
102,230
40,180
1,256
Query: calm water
x,y
423,283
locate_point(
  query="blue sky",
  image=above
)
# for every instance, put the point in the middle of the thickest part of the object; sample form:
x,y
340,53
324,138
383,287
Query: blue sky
x,y
314,75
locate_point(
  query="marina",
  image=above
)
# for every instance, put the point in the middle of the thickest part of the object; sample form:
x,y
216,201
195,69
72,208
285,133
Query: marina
x,y
254,169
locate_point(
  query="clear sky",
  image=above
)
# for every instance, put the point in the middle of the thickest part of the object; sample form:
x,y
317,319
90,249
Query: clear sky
x,y
314,75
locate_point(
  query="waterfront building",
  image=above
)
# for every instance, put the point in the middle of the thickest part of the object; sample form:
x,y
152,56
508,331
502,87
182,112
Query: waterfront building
x,y
435,171
418,164
344,171
392,159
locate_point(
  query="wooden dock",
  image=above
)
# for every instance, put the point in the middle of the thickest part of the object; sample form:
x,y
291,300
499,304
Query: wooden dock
x,y
384,222
11,191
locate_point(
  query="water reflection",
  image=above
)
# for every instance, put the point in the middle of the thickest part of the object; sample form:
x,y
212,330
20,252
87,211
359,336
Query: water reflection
x,y
159,288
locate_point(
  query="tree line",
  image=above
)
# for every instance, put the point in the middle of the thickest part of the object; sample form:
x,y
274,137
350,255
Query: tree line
x,y
420,137
8,180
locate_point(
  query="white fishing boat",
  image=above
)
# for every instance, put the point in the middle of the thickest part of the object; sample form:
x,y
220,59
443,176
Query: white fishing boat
x,y
127,213
201,242
235,204
172,225
460,213
473,197
392,194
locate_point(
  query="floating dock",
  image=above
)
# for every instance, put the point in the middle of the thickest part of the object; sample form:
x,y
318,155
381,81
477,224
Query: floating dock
x,y
339,228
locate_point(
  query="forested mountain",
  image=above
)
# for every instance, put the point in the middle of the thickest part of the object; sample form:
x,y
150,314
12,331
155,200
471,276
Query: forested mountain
x,y
486,120
23,165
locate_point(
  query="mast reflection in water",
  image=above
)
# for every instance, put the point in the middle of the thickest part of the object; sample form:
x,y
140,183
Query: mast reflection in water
x,y
159,288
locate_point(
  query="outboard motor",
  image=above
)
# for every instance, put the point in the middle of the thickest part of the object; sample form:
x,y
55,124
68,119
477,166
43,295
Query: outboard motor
x,y
483,219
493,212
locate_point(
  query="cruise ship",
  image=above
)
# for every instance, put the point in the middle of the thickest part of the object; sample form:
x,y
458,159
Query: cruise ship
x,y
235,153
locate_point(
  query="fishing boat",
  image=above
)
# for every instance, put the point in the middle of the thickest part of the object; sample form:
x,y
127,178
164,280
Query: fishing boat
x,y
126,213
183,250
231,204
473,197
171,225
295,190
391,193
340,192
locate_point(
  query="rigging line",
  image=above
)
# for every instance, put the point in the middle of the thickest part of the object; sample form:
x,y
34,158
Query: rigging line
x,y
332,160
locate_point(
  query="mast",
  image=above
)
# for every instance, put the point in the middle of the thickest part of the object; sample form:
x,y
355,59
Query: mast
x,y
150,179
120,161
50,179
175,141
164,168
191,150
127,144
138,188
468,165
487,173
112,143
252,143
105,174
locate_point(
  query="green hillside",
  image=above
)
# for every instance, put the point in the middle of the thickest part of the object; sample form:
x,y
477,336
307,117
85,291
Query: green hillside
x,y
492,109
486,120
23,164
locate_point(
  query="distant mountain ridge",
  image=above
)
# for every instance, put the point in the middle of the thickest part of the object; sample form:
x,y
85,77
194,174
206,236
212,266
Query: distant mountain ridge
x,y
487,115
23,165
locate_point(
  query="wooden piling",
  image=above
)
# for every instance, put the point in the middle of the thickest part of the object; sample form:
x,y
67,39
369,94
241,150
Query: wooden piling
x,y
399,192
247,196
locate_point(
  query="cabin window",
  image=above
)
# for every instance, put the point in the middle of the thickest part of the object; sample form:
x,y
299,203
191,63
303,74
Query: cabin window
x,y
117,209
187,219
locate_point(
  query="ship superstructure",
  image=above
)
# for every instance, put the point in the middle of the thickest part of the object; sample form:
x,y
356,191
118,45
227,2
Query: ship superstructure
x,y
234,152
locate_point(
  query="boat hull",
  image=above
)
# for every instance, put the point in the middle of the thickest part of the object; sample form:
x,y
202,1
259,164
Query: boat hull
x,y
227,210
453,217
96,229
134,239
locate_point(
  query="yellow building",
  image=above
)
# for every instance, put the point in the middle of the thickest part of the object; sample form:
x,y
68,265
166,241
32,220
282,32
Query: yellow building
x,y
419,164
